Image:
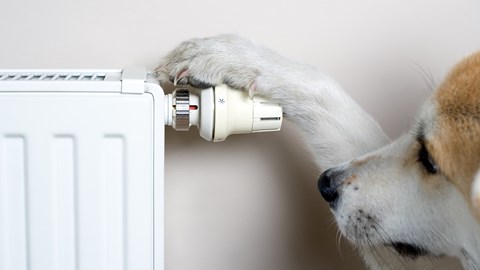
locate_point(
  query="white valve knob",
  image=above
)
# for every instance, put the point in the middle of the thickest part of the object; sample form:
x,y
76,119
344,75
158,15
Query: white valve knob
x,y
221,111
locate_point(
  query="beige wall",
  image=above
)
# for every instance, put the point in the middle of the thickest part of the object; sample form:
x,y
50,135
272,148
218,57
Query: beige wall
x,y
251,202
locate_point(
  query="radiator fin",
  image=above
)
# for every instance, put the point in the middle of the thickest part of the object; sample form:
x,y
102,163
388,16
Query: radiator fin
x,y
14,251
65,203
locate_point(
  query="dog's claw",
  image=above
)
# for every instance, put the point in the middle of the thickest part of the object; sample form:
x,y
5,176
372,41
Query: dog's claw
x,y
181,78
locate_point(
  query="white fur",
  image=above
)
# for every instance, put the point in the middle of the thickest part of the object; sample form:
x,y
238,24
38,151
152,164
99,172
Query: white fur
x,y
387,201
476,192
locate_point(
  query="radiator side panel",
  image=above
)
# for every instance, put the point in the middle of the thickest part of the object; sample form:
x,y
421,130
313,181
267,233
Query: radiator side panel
x,y
76,181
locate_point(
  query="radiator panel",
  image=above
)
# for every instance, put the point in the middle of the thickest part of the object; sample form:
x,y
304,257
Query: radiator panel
x,y
77,181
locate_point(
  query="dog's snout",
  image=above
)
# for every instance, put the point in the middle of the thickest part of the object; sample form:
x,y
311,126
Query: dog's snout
x,y
328,187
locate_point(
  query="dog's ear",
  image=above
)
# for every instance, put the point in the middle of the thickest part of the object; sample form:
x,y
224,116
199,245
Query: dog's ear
x,y
476,193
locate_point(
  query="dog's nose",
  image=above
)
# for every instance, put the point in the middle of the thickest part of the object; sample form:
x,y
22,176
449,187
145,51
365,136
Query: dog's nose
x,y
327,187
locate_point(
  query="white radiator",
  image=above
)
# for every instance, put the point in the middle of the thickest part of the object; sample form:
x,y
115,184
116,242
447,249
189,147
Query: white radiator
x,y
81,170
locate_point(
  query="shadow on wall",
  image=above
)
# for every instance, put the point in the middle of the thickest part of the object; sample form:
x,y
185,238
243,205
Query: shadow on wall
x,y
250,202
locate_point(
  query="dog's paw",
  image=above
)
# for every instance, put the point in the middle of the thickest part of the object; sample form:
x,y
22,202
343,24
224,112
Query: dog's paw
x,y
206,62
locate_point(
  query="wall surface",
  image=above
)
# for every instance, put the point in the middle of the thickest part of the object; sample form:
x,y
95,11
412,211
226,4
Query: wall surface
x,y
251,202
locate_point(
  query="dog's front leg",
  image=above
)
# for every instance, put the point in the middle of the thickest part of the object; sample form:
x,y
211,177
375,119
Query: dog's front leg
x,y
335,128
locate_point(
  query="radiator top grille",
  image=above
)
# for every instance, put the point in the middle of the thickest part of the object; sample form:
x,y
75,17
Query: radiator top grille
x,y
128,80
52,76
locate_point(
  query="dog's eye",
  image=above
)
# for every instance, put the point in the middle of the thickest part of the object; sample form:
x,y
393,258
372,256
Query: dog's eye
x,y
426,160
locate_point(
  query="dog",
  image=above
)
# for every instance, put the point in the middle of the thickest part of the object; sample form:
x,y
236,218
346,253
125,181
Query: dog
x,y
400,203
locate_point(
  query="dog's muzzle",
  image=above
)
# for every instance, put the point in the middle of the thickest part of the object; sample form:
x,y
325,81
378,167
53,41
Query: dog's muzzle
x,y
328,187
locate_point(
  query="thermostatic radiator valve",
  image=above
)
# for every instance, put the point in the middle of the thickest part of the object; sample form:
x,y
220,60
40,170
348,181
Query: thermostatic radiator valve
x,y
220,111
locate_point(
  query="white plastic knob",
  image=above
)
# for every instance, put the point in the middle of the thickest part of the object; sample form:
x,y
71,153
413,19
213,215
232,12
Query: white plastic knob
x,y
236,113
221,111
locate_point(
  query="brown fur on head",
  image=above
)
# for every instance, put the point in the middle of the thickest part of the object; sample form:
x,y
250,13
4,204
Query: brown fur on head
x,y
455,144
418,189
